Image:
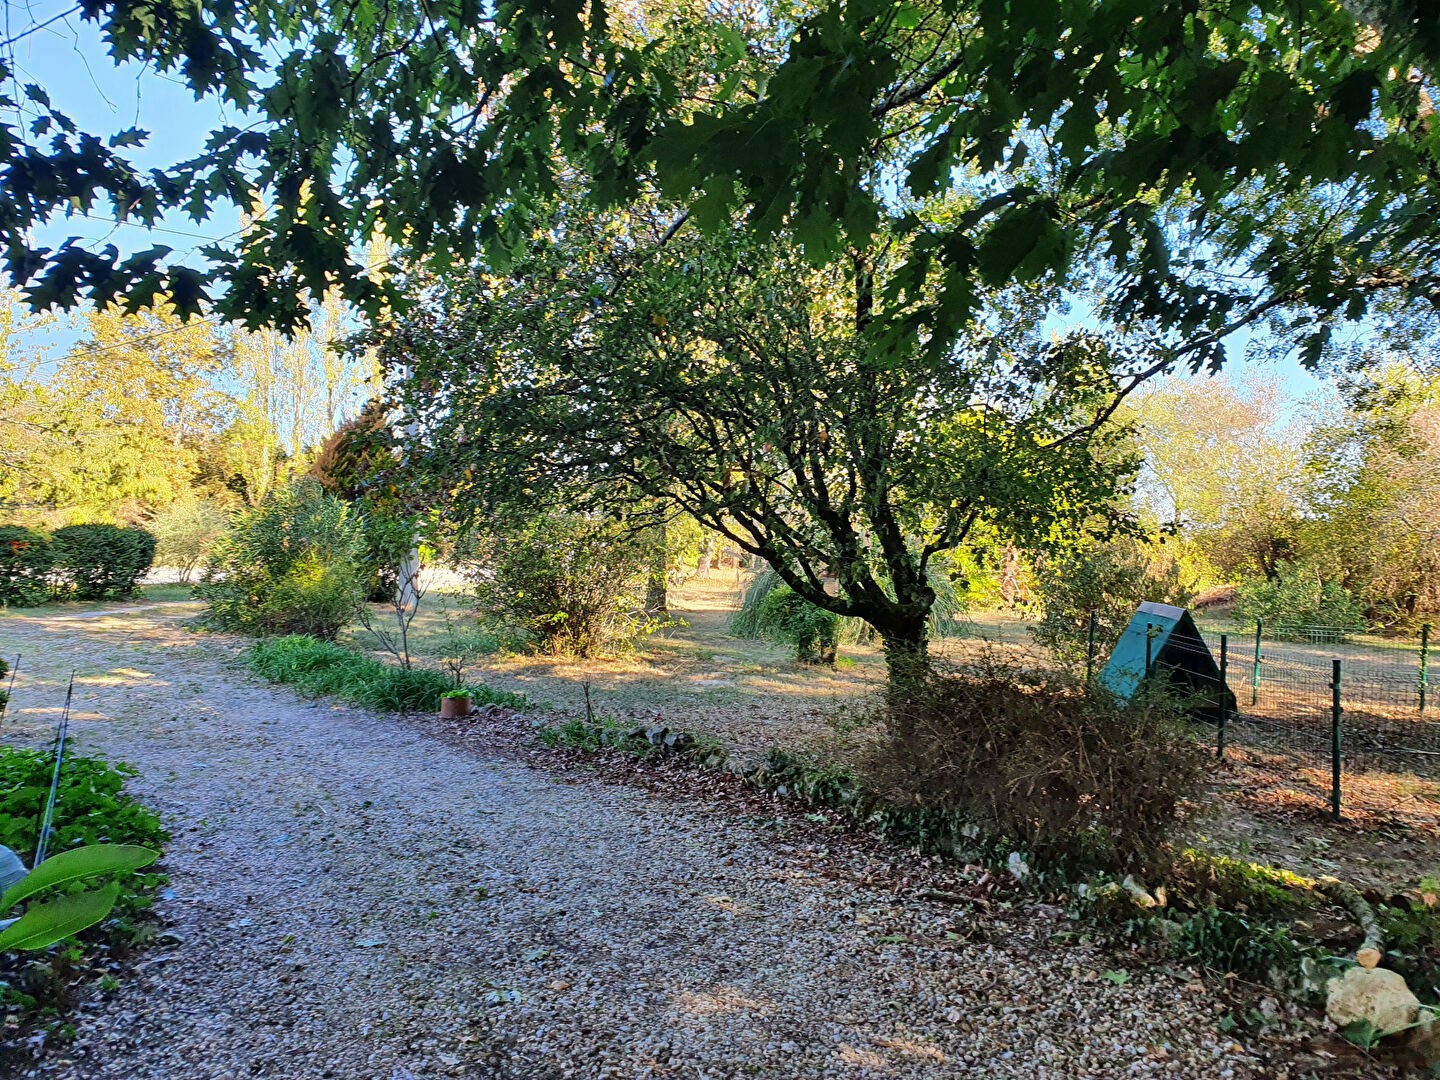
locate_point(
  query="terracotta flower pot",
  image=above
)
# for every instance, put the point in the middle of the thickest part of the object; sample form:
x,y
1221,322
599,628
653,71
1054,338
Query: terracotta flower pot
x,y
452,708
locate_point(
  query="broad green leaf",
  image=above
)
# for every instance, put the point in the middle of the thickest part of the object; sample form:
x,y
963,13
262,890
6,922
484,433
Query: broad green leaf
x,y
44,924
11,869
82,862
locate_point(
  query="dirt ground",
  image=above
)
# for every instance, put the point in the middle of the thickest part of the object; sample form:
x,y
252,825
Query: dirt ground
x,y
751,695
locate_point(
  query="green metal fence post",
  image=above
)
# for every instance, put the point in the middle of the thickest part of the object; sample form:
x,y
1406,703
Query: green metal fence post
x,y
1090,646
1335,739
1149,640
1255,679
1424,663
1224,686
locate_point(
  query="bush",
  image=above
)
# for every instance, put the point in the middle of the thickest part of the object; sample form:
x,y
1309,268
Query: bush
x,y
26,559
184,534
786,615
290,565
571,585
1111,579
100,562
91,807
323,669
1299,596
1076,779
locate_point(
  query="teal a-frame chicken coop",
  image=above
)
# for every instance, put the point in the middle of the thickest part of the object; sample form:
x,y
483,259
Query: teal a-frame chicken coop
x,y
1163,642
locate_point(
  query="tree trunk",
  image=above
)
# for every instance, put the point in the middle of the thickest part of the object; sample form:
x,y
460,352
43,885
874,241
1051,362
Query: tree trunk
x,y
657,592
907,665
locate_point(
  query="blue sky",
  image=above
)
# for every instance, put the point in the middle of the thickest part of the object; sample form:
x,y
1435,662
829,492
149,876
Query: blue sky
x,y
70,61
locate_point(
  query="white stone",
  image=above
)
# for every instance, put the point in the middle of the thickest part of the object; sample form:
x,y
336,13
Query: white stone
x,y
1378,995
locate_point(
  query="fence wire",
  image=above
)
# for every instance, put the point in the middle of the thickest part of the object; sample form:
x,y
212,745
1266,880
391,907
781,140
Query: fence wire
x,y
1389,726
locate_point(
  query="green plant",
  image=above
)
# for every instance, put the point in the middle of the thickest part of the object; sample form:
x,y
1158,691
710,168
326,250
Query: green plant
x,y
460,646
572,584
100,562
810,630
60,916
1231,942
461,694
26,559
1299,595
184,534
289,565
323,669
1110,579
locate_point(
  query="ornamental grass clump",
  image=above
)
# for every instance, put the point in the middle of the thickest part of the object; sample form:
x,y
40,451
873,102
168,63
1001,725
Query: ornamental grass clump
x,y
1070,776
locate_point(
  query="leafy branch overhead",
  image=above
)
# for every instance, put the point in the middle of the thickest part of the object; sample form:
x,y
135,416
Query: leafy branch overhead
x,y
1224,163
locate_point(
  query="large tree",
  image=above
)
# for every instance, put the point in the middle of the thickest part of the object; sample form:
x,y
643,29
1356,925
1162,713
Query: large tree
x,y
1234,160
626,361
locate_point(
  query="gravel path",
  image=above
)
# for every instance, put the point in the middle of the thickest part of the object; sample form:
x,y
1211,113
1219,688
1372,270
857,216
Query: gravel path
x,y
353,898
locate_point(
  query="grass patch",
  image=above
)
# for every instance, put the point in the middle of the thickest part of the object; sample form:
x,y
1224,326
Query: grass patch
x,y
323,669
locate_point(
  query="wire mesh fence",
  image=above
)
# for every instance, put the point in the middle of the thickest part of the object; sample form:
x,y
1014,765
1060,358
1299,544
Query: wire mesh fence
x,y
1337,716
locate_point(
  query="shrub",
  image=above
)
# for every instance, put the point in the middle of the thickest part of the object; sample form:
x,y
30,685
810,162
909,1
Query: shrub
x,y
323,669
184,534
1076,779
290,565
26,559
1110,579
757,620
91,807
572,585
786,615
1299,596
100,562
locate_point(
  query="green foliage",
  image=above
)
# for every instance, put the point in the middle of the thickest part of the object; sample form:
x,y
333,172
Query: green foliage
x,y
1109,578
577,734
1412,940
745,623
91,807
290,565
809,630
1228,941
1298,596
571,584
323,669
46,922
1284,103
100,562
26,559
1196,880
184,534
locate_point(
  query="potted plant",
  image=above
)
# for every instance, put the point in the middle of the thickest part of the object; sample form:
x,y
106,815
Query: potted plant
x,y
454,704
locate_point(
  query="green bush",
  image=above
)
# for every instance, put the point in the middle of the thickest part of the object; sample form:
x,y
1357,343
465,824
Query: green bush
x,y
572,585
26,559
91,807
323,669
100,562
1299,596
184,534
1110,579
290,565
786,615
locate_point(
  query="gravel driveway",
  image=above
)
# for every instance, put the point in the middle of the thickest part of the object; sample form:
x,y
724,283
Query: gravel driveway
x,y
353,898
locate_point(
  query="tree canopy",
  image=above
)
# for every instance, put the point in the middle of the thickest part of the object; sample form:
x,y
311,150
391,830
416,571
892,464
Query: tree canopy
x,y
1223,161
